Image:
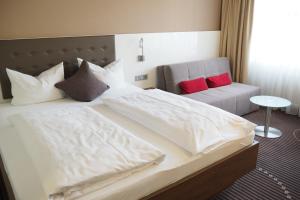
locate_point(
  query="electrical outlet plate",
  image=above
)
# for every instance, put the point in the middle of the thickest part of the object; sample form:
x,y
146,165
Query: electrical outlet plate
x,y
141,77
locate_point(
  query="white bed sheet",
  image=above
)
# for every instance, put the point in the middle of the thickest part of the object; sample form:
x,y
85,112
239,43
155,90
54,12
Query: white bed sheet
x,y
193,125
177,164
64,148
6,109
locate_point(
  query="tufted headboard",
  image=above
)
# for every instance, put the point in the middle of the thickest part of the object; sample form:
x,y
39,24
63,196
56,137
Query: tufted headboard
x,y
33,56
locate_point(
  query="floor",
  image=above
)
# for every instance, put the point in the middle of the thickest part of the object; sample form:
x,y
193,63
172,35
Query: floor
x,y
277,175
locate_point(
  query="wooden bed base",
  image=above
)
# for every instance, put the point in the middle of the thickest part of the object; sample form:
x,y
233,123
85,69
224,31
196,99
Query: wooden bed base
x,y
211,180
201,185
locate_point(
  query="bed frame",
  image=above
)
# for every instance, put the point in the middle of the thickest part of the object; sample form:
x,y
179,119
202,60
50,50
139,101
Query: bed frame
x,y
32,56
201,185
211,180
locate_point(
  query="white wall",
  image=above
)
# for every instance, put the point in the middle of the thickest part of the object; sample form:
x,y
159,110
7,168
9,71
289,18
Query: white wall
x,y
163,48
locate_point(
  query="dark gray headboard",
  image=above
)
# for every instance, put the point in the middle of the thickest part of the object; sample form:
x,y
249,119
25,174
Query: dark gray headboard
x,y
33,56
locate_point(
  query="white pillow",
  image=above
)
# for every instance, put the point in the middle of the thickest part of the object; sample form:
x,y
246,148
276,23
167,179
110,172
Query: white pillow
x,y
27,89
112,74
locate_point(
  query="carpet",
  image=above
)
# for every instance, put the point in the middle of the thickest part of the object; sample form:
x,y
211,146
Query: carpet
x,y
277,174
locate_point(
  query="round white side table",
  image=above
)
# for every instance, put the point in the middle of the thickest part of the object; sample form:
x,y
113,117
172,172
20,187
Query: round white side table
x,y
269,102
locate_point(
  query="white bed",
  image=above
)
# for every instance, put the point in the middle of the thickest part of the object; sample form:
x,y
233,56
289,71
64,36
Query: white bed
x,y
178,163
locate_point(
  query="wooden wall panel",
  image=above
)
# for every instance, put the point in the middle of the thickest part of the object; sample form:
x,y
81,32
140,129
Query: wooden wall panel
x,y
56,18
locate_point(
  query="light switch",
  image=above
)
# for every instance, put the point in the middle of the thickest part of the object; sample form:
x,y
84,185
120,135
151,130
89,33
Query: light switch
x,y
141,77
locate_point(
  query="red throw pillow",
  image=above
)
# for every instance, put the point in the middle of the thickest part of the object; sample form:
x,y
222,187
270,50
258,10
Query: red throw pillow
x,y
219,80
192,86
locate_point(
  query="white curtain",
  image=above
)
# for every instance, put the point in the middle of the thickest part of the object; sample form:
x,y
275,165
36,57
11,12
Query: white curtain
x,y
274,62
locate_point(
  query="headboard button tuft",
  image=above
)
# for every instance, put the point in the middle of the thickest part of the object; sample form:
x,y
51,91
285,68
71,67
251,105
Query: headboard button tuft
x,y
32,53
92,48
49,51
103,48
78,49
104,60
15,54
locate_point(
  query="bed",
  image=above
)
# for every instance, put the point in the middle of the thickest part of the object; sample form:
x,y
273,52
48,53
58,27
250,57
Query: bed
x,y
178,176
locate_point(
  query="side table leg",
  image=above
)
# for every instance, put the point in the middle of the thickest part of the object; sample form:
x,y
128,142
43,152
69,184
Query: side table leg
x,y
268,120
267,131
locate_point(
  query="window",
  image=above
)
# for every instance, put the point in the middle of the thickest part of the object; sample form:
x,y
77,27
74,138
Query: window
x,y
274,62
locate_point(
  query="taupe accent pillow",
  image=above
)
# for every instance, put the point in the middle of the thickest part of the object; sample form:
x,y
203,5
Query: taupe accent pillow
x,y
83,85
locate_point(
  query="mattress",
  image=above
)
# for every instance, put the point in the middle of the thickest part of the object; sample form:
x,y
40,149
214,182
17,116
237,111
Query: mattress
x,y
192,125
79,147
177,164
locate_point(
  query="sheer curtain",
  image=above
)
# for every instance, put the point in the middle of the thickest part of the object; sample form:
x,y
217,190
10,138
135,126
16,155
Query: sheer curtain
x,y
274,62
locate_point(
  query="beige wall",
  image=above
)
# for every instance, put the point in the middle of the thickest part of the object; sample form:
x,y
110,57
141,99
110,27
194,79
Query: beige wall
x,y
55,18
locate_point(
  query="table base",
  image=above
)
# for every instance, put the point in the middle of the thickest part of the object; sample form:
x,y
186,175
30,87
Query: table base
x,y
272,133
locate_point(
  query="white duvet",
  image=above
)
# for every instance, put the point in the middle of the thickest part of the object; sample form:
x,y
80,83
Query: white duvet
x,y
79,147
197,127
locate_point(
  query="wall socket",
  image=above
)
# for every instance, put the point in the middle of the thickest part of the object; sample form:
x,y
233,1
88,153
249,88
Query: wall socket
x,y
141,77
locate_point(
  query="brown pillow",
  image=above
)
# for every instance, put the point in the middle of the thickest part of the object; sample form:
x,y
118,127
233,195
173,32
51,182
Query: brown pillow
x,y
83,85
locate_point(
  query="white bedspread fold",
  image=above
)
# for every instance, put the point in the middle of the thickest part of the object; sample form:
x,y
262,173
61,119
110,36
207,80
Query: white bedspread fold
x,y
74,147
195,126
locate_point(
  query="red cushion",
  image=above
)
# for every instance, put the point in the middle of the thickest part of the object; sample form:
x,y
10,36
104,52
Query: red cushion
x,y
192,86
219,80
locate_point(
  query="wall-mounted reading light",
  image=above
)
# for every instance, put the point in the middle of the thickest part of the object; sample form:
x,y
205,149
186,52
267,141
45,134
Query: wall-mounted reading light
x,y
141,57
